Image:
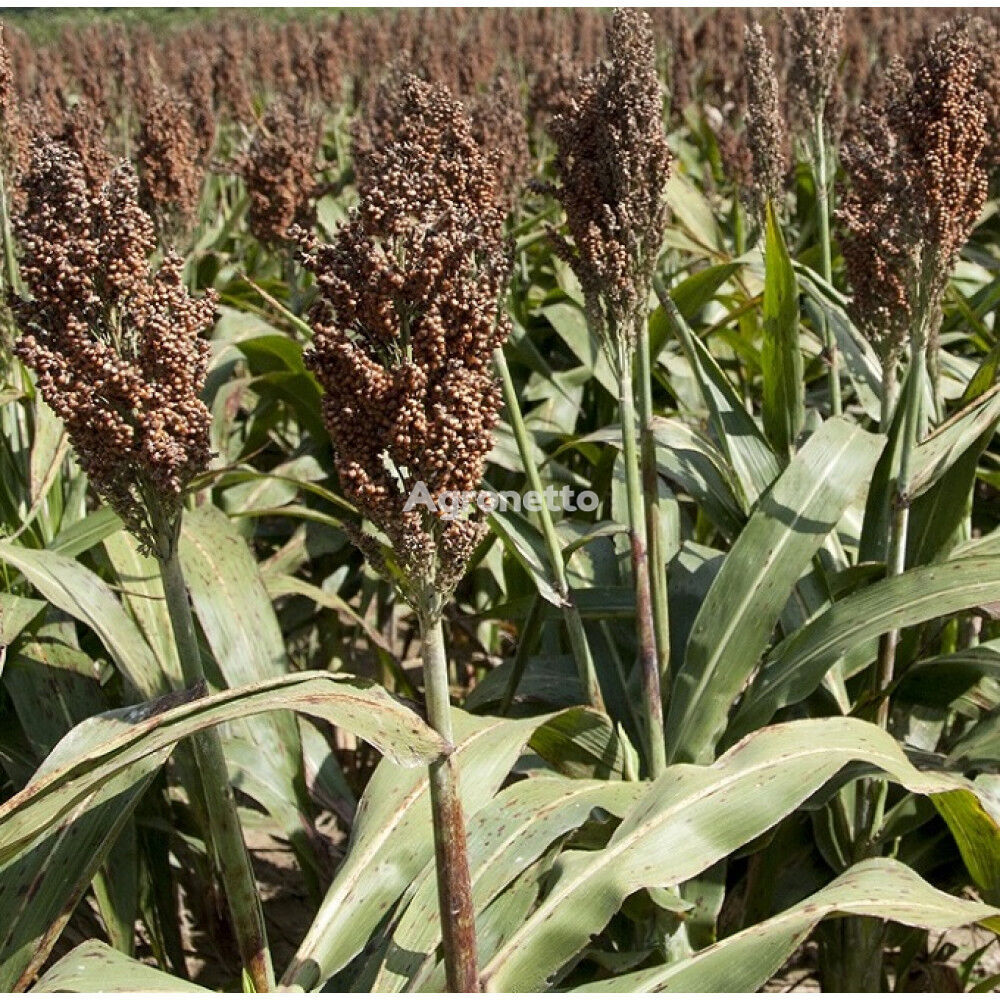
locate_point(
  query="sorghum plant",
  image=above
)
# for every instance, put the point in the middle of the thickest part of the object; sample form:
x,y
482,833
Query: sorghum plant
x,y
170,159
917,185
612,161
117,355
406,324
765,124
279,170
814,42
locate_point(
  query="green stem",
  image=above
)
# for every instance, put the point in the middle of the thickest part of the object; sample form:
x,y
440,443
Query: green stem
x,y
458,917
652,701
900,522
822,184
651,494
224,826
579,646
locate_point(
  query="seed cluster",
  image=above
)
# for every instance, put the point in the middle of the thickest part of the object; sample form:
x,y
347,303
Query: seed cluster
x,y
171,164
917,185
279,170
814,39
613,162
115,347
406,323
765,128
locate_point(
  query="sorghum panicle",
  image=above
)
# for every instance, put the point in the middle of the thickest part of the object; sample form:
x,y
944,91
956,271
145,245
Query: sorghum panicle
x,y
765,124
279,170
406,323
613,162
170,164
115,346
917,185
814,35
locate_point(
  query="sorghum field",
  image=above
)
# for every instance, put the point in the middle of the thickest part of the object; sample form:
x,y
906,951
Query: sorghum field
x,y
500,500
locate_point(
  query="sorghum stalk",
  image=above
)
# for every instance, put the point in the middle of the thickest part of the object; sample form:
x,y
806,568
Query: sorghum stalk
x,y
117,356
613,162
226,834
648,662
458,922
656,556
579,645
407,323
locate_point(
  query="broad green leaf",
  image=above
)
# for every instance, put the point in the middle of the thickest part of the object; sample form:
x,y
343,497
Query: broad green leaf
x,y
16,614
745,961
694,292
570,322
505,838
977,834
391,842
939,452
104,746
690,818
141,588
860,359
235,613
781,356
94,967
78,537
797,665
759,573
86,597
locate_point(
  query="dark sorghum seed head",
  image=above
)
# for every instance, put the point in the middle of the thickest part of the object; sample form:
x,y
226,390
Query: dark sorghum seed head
x,y
916,186
279,170
613,163
765,125
114,345
407,319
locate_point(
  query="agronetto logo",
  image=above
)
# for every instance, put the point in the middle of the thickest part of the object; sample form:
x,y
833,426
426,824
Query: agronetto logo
x,y
452,504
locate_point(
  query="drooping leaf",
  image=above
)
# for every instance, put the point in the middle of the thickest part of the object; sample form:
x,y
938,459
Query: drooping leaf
x,y
797,665
691,817
745,961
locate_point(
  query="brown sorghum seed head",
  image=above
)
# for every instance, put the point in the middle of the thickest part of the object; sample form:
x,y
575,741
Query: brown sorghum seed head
x,y
115,346
613,162
170,164
765,126
499,127
814,35
407,319
917,185
279,170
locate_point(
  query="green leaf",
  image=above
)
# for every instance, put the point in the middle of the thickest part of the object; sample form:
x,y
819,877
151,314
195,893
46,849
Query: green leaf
x,y
86,597
234,610
735,623
977,835
527,545
104,746
690,818
744,962
392,841
735,430
504,839
797,665
781,357
94,967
